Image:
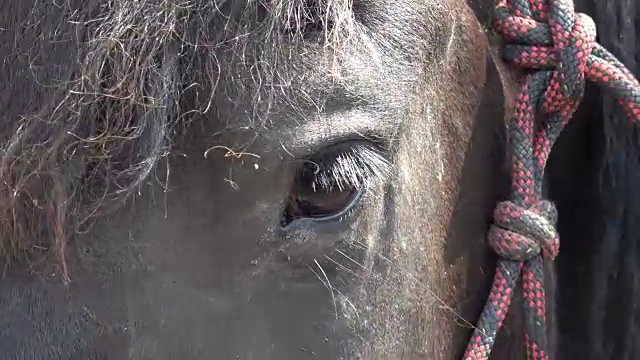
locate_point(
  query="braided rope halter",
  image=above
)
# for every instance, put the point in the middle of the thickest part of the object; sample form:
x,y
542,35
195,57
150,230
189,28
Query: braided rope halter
x,y
547,37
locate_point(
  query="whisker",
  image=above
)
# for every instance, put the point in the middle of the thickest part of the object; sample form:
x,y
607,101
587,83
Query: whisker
x,y
327,285
443,305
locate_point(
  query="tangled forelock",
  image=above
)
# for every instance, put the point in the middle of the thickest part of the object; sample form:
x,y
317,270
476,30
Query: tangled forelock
x,y
110,111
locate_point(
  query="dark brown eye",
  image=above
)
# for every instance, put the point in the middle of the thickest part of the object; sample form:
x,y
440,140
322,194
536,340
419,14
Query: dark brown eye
x,y
313,194
316,194
328,185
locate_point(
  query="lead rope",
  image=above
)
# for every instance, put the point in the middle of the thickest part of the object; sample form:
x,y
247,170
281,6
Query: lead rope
x,y
548,37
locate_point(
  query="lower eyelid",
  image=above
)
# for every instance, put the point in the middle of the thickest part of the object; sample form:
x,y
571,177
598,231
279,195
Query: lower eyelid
x,y
345,212
341,217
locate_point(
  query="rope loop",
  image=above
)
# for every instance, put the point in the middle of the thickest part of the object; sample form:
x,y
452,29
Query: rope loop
x,y
519,234
549,37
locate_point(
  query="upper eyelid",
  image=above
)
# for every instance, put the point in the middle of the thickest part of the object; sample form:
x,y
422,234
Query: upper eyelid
x,y
301,140
362,163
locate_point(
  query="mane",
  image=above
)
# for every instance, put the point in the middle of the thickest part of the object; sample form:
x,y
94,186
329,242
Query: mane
x,y
599,204
614,331
129,76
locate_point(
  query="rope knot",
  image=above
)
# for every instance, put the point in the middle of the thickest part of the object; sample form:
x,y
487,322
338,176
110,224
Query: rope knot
x,y
520,234
549,36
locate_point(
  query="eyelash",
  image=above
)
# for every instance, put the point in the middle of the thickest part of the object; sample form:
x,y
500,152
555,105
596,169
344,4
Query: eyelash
x,y
355,167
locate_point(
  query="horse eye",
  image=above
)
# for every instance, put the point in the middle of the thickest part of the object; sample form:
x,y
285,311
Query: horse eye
x,y
315,193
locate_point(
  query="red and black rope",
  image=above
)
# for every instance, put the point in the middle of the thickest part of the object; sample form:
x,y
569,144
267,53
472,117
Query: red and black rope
x,y
558,47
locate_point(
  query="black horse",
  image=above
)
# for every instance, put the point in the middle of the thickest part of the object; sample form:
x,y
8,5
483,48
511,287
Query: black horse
x,y
286,179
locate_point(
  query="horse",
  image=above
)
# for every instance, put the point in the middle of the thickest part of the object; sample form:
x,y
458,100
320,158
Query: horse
x,y
284,179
